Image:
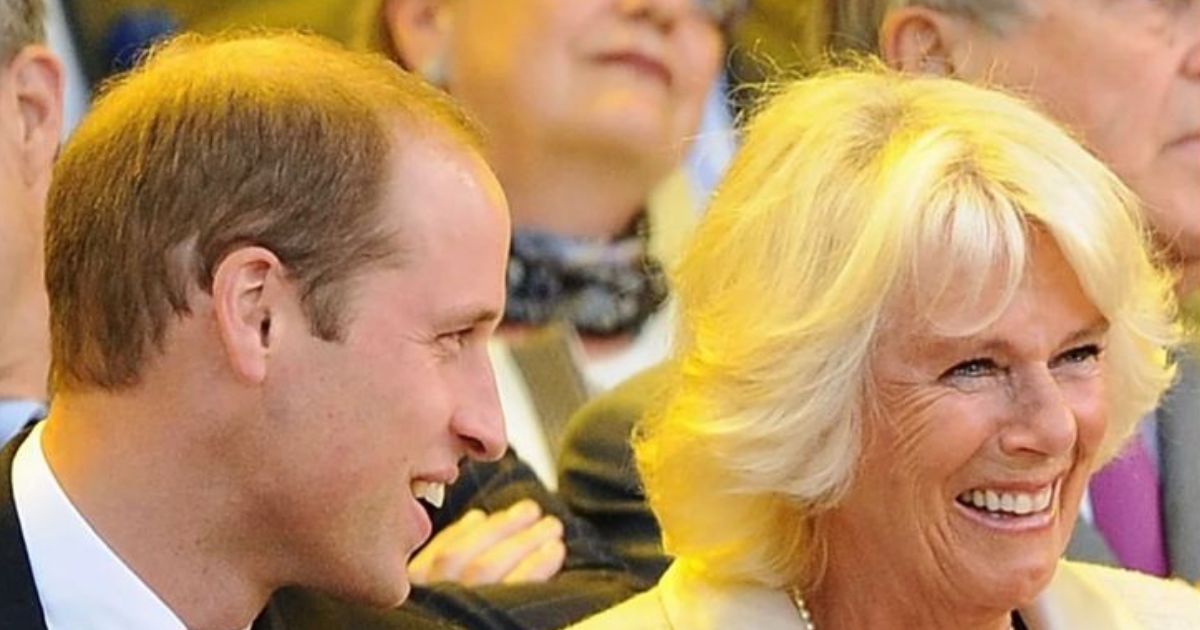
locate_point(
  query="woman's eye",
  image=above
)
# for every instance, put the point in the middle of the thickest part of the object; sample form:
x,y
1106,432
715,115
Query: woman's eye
x,y
1078,356
974,368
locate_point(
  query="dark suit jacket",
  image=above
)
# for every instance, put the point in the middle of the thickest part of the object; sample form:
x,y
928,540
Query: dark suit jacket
x,y
593,577
1178,423
1179,449
574,595
598,479
20,607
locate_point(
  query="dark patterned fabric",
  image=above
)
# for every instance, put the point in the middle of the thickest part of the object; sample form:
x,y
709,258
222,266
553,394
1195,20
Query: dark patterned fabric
x,y
600,287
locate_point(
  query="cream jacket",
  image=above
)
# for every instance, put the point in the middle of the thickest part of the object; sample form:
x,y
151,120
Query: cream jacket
x,y
1080,597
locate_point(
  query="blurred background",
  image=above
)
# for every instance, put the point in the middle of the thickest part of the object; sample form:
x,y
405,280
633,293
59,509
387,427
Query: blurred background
x,y
104,36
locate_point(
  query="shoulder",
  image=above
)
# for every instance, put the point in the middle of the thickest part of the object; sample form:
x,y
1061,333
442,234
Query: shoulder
x,y
642,612
1140,600
597,453
613,414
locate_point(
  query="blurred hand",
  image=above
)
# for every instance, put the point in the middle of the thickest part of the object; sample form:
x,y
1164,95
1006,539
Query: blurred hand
x,y
514,545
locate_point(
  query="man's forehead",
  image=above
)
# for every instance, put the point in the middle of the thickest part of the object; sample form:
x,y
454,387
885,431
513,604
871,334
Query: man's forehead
x,y
436,188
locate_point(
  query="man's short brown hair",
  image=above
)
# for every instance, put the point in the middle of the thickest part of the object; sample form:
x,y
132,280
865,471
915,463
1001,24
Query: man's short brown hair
x,y
276,140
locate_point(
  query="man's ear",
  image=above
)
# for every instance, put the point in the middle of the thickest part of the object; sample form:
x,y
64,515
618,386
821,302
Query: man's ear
x,y
921,40
251,297
36,77
419,32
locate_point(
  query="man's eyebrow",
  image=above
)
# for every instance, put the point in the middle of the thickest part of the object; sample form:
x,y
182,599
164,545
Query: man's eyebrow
x,y
471,316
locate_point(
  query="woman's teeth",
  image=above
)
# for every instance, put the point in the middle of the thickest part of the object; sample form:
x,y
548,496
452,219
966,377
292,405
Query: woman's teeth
x,y
431,492
1011,503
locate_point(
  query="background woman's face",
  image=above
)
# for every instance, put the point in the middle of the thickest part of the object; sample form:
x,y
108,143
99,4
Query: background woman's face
x,y
979,449
618,75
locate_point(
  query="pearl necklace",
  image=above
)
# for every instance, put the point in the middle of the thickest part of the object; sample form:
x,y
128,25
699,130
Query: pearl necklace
x,y
806,617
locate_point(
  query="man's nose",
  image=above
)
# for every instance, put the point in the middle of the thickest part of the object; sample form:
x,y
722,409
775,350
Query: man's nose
x,y
479,420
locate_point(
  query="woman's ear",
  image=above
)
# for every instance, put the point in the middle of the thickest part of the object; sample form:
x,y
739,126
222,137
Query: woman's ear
x,y
920,40
419,34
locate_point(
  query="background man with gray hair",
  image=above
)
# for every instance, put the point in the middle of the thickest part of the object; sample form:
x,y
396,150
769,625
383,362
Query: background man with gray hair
x,y
1125,76
30,124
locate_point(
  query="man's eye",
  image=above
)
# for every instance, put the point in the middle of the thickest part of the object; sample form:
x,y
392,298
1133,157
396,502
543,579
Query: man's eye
x,y
455,340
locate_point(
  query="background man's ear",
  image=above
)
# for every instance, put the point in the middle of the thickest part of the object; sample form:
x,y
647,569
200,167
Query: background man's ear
x,y
419,32
921,40
36,77
252,300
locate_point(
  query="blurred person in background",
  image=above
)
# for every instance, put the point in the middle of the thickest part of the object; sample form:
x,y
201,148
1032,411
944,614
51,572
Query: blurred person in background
x,y
1125,76
589,107
898,366
30,124
1122,74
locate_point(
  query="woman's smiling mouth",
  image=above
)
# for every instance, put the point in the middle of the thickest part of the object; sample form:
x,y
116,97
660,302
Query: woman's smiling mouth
x,y
1010,509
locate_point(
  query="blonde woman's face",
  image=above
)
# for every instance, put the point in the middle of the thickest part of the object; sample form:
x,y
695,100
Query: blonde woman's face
x,y
629,75
978,451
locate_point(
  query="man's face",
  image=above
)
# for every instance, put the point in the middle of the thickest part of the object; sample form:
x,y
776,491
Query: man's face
x,y
627,77
1125,74
360,425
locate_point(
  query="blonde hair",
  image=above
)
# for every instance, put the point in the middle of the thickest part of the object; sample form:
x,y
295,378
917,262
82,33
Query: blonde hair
x,y
845,181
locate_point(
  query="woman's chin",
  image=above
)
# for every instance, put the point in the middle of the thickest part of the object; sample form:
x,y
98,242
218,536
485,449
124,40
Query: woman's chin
x,y
1016,582
1013,559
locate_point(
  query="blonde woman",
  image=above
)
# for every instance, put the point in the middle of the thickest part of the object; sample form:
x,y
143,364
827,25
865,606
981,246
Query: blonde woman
x,y
915,320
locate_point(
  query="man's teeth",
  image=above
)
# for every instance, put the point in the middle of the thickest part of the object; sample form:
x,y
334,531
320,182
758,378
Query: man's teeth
x,y
431,492
1017,503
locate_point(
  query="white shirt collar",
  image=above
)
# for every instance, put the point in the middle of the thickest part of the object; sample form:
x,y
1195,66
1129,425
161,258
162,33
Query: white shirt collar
x,y
81,582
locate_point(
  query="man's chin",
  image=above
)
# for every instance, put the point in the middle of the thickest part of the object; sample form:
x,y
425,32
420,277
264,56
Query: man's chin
x,y
383,592
401,594
394,593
